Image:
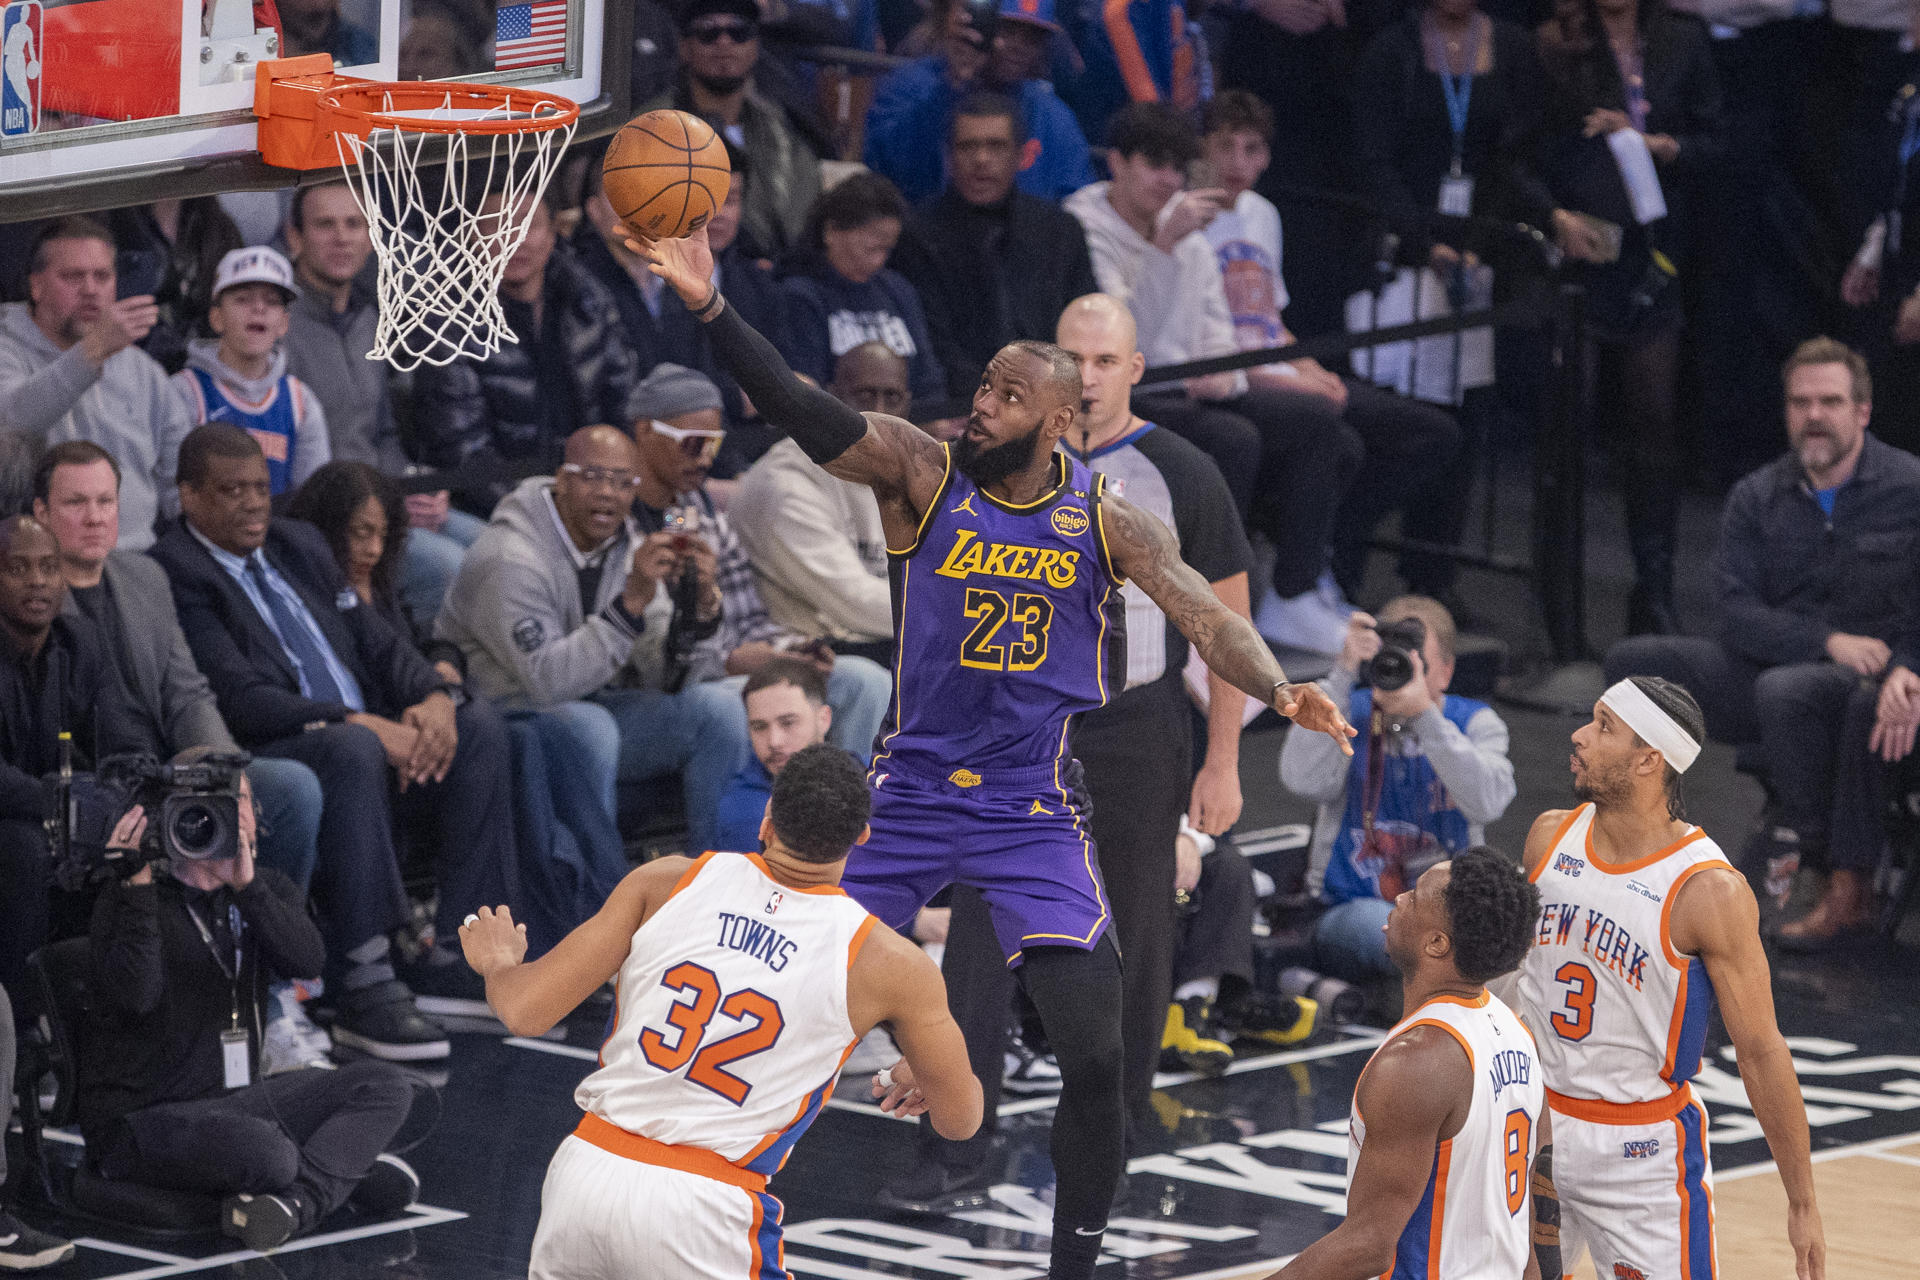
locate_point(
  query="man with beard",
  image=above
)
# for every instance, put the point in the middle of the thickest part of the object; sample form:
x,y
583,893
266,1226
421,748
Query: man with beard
x,y
1820,635
1643,923
719,49
1006,564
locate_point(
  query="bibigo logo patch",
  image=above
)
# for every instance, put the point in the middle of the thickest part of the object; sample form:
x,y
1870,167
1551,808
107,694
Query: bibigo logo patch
x,y
1070,521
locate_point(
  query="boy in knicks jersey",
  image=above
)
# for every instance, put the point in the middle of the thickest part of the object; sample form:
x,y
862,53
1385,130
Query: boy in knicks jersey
x,y
742,982
1643,922
1006,564
1448,1113
241,375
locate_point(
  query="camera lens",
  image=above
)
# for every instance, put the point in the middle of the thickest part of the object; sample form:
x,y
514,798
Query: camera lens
x,y
1391,669
194,829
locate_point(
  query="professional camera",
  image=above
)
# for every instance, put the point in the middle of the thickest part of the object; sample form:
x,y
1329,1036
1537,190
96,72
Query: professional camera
x,y
1392,667
193,812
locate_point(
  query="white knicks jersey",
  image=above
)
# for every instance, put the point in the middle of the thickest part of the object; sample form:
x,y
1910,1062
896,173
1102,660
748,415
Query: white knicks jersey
x,y
1621,1016
730,1014
1474,1222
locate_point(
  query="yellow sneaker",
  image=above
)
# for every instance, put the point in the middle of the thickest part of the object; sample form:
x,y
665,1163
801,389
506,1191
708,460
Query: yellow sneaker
x,y
1190,1038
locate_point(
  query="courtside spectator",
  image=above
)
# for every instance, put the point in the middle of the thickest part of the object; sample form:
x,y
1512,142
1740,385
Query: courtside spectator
x,y
719,48
992,263
1404,444
563,602
910,120
55,677
571,367
123,595
786,702
171,250
676,422
841,293
330,332
1820,618
1428,773
70,370
818,552
302,669
22,1248
241,377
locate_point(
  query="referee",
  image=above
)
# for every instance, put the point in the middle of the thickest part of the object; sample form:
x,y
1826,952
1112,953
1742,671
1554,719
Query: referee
x,y
1137,753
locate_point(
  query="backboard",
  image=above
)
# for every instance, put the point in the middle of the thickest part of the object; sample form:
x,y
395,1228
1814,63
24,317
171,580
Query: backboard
x,y
115,102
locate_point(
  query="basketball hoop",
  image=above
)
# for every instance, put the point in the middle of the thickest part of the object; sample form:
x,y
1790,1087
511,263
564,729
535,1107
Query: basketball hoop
x,y
441,258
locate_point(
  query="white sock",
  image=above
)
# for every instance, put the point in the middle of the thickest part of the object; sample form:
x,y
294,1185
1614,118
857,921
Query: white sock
x,y
1204,987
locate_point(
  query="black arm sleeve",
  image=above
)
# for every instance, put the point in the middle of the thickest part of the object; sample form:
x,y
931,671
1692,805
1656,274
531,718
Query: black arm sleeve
x,y
823,426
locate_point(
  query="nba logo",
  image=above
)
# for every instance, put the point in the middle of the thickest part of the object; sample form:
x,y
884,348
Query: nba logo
x,y
774,900
20,69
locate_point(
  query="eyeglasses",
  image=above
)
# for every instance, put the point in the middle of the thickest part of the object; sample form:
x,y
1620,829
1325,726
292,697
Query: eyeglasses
x,y
602,477
697,443
739,31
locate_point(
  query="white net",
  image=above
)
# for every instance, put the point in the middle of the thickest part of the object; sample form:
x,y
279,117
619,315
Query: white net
x,y
443,232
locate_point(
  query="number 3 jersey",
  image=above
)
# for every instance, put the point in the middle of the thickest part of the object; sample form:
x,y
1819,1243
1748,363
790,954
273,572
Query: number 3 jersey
x,y
730,1014
1621,1015
1009,620
1473,1222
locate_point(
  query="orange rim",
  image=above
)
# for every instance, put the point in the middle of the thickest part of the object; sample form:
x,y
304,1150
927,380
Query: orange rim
x,y
546,111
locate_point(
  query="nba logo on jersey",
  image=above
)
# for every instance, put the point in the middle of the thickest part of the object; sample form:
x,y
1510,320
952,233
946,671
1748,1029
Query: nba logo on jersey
x,y
774,900
1568,865
20,69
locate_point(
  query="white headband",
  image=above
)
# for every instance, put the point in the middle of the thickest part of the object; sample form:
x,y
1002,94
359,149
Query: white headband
x,y
1655,727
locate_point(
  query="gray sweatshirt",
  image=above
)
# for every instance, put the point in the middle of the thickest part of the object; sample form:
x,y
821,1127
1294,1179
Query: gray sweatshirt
x,y
311,447
1473,766
514,609
125,407
819,554
328,351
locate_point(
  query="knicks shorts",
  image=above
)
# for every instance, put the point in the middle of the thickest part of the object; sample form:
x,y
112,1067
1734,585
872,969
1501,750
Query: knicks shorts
x,y
1636,1188
1019,837
606,1217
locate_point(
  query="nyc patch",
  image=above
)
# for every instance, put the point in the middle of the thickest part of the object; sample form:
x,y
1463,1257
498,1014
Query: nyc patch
x,y
1568,865
529,634
1640,1149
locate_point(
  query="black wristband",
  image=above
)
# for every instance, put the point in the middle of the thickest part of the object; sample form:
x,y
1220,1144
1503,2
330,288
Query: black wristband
x,y
709,310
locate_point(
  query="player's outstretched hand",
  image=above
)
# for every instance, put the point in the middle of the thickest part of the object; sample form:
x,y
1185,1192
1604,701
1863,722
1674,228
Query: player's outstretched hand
x,y
492,941
686,264
897,1093
1809,1242
1308,706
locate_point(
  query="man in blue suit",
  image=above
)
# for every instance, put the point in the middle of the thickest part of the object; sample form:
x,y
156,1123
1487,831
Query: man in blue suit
x,y
303,669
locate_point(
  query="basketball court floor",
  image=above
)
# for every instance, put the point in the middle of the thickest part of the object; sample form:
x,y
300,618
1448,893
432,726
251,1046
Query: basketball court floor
x,y
1241,1172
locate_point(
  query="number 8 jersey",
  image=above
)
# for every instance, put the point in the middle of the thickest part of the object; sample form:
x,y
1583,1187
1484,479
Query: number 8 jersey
x,y
730,1014
1621,1015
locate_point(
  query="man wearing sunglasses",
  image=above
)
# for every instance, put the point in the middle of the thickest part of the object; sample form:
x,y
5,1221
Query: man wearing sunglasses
x,y
719,51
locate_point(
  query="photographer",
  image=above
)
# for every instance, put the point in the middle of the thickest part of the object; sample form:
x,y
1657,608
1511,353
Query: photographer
x,y
1430,773
181,961
54,678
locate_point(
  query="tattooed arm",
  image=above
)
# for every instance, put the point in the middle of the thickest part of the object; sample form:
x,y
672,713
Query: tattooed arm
x,y
1144,549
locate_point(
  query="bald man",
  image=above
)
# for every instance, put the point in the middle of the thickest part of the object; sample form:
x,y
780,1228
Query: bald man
x,y
818,552
561,594
55,676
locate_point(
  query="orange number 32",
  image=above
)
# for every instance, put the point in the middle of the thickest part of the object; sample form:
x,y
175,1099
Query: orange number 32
x,y
688,1021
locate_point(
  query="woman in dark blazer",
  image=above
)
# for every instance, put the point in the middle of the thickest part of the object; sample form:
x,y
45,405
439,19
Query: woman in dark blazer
x,y
1631,64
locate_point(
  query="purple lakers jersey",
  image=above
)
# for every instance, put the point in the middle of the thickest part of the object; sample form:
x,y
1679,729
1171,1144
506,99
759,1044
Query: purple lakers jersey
x,y
1008,620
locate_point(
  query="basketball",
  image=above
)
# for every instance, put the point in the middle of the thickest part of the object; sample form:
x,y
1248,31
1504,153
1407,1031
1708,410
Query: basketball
x,y
666,173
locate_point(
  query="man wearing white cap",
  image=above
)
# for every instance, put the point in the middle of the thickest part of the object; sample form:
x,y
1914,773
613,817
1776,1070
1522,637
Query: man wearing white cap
x,y
241,376
1643,922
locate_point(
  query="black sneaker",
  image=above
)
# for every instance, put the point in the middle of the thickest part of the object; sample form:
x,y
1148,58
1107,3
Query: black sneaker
x,y
24,1249
932,1187
260,1222
1275,1019
383,1022
444,985
388,1188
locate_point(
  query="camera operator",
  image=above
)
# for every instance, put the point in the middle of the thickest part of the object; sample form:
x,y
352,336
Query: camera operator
x,y
1432,772
54,678
181,961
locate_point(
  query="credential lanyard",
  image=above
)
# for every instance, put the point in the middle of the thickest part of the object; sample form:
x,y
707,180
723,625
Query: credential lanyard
x,y
1459,92
236,925
1633,79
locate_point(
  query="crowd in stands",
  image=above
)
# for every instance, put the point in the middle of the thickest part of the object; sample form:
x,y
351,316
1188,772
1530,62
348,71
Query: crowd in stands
x,y
477,624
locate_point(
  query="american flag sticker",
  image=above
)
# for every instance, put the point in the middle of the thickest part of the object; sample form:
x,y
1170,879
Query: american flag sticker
x,y
532,33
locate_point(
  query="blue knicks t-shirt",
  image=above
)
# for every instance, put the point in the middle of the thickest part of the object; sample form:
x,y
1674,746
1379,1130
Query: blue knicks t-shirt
x,y
1009,619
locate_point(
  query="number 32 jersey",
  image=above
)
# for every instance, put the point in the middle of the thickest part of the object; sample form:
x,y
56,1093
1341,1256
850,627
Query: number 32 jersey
x,y
730,1017
1621,1015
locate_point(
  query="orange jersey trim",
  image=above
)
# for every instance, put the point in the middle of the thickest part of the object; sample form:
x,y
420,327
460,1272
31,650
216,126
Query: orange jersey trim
x,y
1126,52
696,1160
1566,825
1639,864
1596,1111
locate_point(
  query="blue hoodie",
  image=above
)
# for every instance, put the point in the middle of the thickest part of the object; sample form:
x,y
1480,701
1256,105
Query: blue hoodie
x,y
907,135
829,315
